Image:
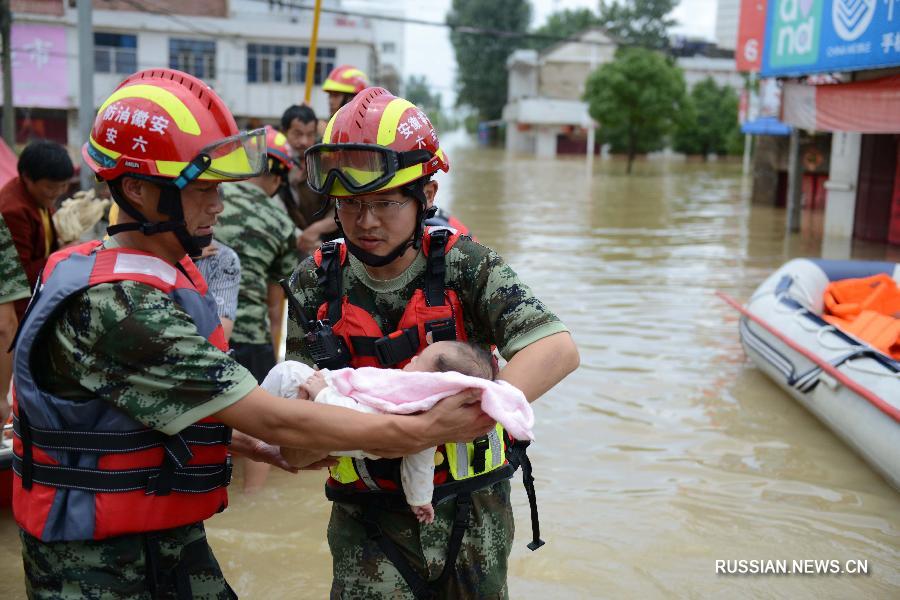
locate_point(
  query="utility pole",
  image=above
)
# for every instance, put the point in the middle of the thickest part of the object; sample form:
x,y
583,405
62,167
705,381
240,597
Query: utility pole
x,y
86,82
9,110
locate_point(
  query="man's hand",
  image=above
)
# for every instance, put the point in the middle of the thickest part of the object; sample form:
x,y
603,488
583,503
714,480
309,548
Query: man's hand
x,y
310,240
262,452
314,384
307,459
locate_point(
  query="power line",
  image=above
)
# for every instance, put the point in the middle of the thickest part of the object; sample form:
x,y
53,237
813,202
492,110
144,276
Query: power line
x,y
456,28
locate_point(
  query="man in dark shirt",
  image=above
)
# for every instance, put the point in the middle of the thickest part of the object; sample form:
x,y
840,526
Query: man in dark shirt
x,y
27,203
311,212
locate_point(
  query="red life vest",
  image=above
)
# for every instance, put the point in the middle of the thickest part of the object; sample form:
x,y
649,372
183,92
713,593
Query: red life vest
x,y
433,314
83,468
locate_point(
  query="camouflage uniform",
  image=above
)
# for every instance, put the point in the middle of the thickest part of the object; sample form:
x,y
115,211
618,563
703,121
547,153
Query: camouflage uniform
x,y
172,378
13,284
263,237
497,309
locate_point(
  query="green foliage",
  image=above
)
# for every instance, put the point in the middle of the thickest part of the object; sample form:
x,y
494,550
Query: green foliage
x,y
564,24
641,23
636,99
418,91
481,59
708,125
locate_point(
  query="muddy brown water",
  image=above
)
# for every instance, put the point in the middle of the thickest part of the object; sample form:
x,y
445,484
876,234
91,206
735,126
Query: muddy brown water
x,y
667,450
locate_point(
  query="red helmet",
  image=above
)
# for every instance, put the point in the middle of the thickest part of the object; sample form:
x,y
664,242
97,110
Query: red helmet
x,y
168,124
278,150
376,142
346,80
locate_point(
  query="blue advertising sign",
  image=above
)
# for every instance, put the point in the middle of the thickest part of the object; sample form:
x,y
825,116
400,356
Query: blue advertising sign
x,y
813,36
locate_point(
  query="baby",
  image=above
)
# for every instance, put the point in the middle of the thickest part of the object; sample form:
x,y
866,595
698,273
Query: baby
x,y
442,369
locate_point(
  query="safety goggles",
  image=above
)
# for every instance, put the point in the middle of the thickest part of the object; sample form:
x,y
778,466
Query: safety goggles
x,y
360,168
240,156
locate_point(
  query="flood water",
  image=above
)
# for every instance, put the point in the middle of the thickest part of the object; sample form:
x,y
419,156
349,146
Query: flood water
x,y
667,450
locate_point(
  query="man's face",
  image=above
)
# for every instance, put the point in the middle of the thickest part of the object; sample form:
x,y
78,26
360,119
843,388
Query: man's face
x,y
377,235
335,101
201,204
301,136
45,191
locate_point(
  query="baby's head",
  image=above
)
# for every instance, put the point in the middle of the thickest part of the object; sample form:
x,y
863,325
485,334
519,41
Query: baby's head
x,y
461,357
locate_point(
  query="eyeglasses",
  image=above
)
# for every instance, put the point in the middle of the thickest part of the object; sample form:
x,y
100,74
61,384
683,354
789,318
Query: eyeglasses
x,y
381,209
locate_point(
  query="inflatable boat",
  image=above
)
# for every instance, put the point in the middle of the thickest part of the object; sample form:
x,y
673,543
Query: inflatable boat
x,y
850,386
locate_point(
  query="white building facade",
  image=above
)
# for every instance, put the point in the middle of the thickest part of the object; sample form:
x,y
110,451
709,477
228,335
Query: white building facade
x,y
254,54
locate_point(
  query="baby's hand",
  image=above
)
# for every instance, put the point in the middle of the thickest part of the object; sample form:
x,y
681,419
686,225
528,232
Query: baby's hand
x,y
315,384
424,514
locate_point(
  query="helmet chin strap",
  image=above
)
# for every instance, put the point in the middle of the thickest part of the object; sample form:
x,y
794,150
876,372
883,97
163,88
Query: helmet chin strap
x,y
169,204
415,189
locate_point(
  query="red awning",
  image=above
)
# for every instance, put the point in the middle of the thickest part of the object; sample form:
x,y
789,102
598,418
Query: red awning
x,y
862,106
8,163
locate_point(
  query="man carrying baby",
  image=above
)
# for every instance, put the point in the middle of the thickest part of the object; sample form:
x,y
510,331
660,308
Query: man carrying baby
x,y
389,289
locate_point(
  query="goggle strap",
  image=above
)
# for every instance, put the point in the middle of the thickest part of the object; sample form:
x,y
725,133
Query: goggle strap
x,y
413,157
192,171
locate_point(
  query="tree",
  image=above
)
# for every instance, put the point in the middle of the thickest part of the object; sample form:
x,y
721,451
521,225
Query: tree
x,y
709,122
480,55
641,23
418,91
564,24
636,100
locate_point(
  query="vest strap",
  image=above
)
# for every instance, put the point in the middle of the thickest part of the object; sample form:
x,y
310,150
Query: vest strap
x,y
389,349
192,479
435,269
329,274
199,434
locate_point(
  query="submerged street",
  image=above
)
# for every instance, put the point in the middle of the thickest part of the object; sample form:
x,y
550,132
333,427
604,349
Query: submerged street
x,y
667,450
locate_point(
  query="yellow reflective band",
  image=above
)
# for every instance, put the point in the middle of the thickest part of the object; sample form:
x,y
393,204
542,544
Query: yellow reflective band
x,y
344,472
110,153
353,73
164,98
280,140
326,137
390,119
342,88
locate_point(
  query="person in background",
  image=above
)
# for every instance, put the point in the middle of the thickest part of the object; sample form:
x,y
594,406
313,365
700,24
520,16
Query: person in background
x,y
13,286
27,203
221,268
262,235
342,85
310,211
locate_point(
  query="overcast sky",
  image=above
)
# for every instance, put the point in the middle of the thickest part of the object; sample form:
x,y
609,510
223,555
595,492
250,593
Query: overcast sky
x,y
429,53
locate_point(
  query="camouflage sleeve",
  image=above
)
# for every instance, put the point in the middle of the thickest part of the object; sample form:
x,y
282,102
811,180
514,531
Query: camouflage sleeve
x,y
13,284
131,345
501,309
304,286
288,255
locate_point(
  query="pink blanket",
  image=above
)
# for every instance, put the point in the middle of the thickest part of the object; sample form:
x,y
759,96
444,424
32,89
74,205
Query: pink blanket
x,y
406,392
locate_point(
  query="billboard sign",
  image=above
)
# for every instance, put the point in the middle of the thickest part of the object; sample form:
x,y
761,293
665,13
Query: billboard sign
x,y
40,70
751,33
814,36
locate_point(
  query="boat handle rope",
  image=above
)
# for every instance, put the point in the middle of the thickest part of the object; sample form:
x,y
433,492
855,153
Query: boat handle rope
x,y
870,396
852,365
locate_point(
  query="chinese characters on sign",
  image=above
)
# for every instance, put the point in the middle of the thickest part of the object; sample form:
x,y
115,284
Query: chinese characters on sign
x,y
40,66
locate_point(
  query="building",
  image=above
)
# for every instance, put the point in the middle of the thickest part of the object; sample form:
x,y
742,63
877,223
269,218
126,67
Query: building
x,y
727,13
544,113
841,73
254,54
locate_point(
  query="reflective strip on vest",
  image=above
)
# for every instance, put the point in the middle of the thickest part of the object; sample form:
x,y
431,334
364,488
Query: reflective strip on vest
x,y
360,465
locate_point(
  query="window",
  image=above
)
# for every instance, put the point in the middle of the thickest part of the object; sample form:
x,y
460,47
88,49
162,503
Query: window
x,y
388,47
197,57
267,63
115,53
